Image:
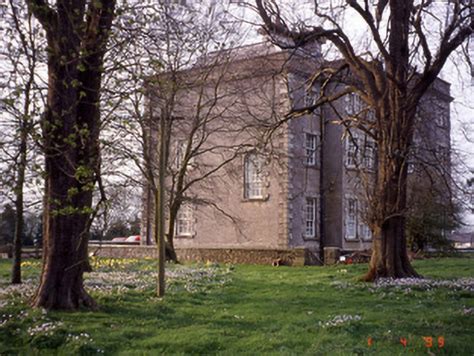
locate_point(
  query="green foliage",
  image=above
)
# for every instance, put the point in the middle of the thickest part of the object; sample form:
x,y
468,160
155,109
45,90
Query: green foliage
x,y
7,224
253,310
430,220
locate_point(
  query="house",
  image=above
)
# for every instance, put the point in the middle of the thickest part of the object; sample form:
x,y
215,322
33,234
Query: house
x,y
462,240
299,189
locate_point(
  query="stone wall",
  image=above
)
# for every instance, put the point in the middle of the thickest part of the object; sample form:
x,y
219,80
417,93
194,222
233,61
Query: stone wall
x,y
291,257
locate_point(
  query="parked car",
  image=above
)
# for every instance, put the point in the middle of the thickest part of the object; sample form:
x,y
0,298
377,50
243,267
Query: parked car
x,y
119,239
133,239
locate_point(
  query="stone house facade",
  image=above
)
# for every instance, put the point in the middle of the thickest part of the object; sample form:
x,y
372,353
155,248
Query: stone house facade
x,y
300,187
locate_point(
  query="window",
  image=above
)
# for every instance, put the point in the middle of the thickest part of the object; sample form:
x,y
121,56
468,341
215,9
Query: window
x,y
311,144
185,220
355,224
351,151
253,176
310,217
364,230
351,219
353,104
309,98
361,151
180,154
369,155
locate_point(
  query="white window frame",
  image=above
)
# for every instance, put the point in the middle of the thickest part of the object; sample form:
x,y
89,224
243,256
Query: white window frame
x,y
360,151
311,210
185,221
350,219
369,155
311,142
309,98
353,104
352,151
364,231
253,176
180,152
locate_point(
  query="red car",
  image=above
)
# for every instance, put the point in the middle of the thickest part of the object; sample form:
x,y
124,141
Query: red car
x,y
133,239
118,239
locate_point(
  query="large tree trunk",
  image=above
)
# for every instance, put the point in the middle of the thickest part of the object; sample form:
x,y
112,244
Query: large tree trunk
x,y
389,255
395,124
77,35
389,250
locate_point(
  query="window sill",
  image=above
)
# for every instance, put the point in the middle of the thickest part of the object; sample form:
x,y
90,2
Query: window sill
x,y
190,236
313,166
310,238
351,239
360,169
256,199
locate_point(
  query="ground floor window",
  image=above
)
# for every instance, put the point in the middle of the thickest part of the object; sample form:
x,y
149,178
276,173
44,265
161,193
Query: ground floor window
x,y
311,209
253,176
185,220
351,219
354,219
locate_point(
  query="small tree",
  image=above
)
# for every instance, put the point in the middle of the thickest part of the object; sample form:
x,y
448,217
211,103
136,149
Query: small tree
x,y
153,110
430,220
21,102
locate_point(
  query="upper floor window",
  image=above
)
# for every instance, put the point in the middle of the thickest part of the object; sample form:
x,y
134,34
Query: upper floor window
x,y
310,214
369,155
180,155
353,104
351,151
253,176
311,145
361,151
185,220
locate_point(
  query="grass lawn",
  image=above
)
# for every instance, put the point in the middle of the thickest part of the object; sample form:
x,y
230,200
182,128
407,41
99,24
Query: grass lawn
x,y
248,310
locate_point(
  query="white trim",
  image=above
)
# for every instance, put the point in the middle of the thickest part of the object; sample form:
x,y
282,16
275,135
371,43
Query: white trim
x,y
185,224
254,178
311,151
350,211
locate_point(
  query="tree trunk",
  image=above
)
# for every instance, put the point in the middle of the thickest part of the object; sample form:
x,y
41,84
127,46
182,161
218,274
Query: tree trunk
x,y
77,35
19,220
170,251
389,253
160,209
389,249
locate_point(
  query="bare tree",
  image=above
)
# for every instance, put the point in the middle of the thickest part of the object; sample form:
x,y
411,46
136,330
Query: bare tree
x,y
22,103
391,79
175,105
